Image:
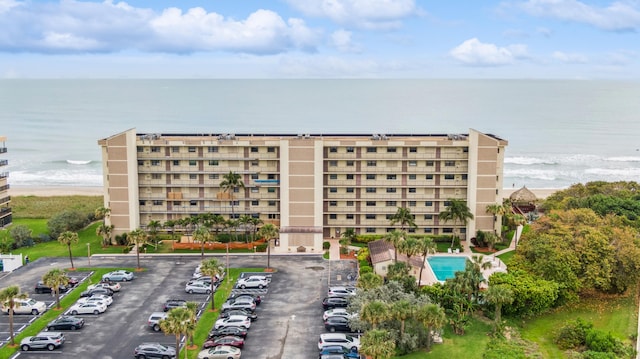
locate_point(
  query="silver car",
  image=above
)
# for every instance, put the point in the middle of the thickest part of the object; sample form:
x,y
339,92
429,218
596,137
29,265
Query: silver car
x,y
201,288
44,340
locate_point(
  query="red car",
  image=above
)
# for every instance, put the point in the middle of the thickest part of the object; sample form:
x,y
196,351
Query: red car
x,y
233,341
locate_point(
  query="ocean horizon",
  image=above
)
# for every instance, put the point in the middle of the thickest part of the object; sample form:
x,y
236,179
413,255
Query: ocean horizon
x,y
560,132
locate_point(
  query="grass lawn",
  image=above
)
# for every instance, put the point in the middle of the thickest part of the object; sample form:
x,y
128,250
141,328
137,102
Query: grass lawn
x,y
45,207
506,257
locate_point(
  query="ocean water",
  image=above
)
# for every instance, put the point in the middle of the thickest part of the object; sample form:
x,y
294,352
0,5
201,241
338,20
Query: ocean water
x,y
560,132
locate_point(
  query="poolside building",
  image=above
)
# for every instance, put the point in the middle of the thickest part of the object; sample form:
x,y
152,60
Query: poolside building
x,y
312,186
5,199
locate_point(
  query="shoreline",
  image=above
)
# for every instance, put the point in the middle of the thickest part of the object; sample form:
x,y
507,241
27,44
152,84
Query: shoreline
x,y
51,191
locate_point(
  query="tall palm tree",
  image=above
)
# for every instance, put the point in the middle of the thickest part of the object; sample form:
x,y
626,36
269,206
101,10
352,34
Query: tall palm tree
x,y
395,237
230,182
8,298
255,222
402,310
217,222
369,280
427,245
377,344
193,308
375,312
178,321
348,237
404,217
269,232
433,317
138,238
245,222
171,226
153,227
105,231
68,238
456,211
55,279
211,268
202,234
498,295
410,247
103,213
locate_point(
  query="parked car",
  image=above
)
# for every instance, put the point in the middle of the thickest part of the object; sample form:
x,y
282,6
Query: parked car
x,y
334,302
95,291
114,286
341,291
256,298
345,340
337,324
154,320
251,315
174,303
154,350
118,276
65,322
87,308
220,352
234,331
340,351
40,287
198,288
72,281
233,304
337,312
26,306
252,282
43,340
233,341
233,321
96,298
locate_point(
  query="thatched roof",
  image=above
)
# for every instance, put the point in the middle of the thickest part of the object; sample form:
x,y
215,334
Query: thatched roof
x,y
523,195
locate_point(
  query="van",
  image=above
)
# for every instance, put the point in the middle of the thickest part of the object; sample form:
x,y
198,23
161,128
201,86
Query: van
x,y
345,340
26,306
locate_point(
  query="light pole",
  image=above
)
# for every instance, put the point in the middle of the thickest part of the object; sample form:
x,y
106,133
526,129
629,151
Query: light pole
x,y
89,253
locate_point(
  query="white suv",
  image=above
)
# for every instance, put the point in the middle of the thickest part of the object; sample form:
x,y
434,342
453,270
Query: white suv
x,y
253,282
26,306
346,341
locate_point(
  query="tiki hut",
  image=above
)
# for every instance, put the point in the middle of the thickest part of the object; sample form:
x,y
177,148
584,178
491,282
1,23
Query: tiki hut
x,y
524,200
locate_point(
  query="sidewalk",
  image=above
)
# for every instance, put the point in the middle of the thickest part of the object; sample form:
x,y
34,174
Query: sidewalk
x,y
334,250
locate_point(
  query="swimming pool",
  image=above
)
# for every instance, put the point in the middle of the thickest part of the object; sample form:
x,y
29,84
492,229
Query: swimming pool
x,y
445,267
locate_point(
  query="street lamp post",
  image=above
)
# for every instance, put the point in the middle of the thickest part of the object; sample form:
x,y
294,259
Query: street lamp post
x,y
89,253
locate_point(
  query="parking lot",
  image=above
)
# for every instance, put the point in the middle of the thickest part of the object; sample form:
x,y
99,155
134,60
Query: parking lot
x,y
289,318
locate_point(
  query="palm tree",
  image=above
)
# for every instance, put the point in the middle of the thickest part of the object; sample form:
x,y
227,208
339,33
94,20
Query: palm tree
x,y
105,232
8,296
179,321
171,225
433,317
456,211
193,308
230,182
55,279
404,217
218,222
497,210
426,246
212,268
269,232
138,238
202,234
245,222
377,344
103,213
348,237
153,227
395,237
369,280
374,312
402,310
255,222
410,247
68,238
498,295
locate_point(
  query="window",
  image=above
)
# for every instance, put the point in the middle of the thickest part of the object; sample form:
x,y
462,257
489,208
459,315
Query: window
x,y
447,230
428,216
371,190
333,203
428,203
271,149
254,176
193,176
391,190
370,230
413,149
155,149
157,202
428,230
142,202
254,149
176,163
388,216
413,163
412,190
349,163
140,163
155,162
176,176
255,162
255,215
349,149
391,150
177,203
349,216
349,189
192,149
213,162
214,176
333,190
156,176
391,177
371,203
391,203
212,149
372,149
411,230
271,176
429,177
389,230
271,190
333,149
255,190
193,202
333,216
447,203
192,162
371,163
465,177
350,203
412,203
465,149
139,148
175,149
449,177
272,203
370,216
371,176
333,176
350,176
449,163
255,202
412,177
429,163
333,163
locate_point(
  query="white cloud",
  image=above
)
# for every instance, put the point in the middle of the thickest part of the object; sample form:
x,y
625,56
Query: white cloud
x,y
475,53
6,5
618,16
342,40
72,26
370,14
570,58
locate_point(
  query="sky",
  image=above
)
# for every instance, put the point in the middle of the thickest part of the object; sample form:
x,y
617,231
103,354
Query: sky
x,y
511,39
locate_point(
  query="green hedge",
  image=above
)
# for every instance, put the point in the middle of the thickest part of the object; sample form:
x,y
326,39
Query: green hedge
x,y
326,245
366,238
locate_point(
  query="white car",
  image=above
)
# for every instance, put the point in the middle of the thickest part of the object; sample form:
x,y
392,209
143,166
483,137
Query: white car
x,y
220,352
118,276
344,340
233,321
337,312
252,282
341,291
109,285
26,306
87,308
100,298
198,287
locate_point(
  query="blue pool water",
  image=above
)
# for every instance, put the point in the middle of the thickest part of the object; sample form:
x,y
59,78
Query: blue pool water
x,y
445,267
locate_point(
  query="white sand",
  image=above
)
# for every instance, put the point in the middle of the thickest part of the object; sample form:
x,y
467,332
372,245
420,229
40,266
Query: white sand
x,y
55,191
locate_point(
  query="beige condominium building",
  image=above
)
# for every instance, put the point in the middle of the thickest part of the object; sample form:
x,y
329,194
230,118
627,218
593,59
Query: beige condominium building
x,y
5,199
312,186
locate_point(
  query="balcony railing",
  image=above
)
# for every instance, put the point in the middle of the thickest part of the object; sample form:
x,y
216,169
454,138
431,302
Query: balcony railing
x,y
4,162
6,199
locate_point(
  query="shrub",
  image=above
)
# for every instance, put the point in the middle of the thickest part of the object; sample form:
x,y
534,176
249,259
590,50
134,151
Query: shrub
x,y
573,335
344,250
261,247
67,221
326,245
365,269
600,341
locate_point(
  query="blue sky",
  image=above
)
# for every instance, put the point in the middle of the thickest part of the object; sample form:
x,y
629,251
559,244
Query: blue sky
x,y
539,39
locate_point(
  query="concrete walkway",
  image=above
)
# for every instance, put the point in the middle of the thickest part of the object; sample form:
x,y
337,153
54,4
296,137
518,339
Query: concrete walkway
x,y
334,250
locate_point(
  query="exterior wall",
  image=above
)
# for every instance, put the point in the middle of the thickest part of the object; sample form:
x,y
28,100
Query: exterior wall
x,y
6,217
310,186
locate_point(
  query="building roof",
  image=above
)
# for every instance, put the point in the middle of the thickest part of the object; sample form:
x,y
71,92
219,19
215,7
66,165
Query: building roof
x,y
383,251
523,195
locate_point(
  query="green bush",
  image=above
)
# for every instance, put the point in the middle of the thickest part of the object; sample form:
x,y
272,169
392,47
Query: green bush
x,y
366,238
573,335
600,341
326,245
261,247
365,269
72,221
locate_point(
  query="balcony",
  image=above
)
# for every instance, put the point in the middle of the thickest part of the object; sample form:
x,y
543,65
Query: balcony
x,y
3,150
271,182
5,200
4,162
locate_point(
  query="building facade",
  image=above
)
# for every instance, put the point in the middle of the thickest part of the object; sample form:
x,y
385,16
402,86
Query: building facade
x,y
312,186
5,199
